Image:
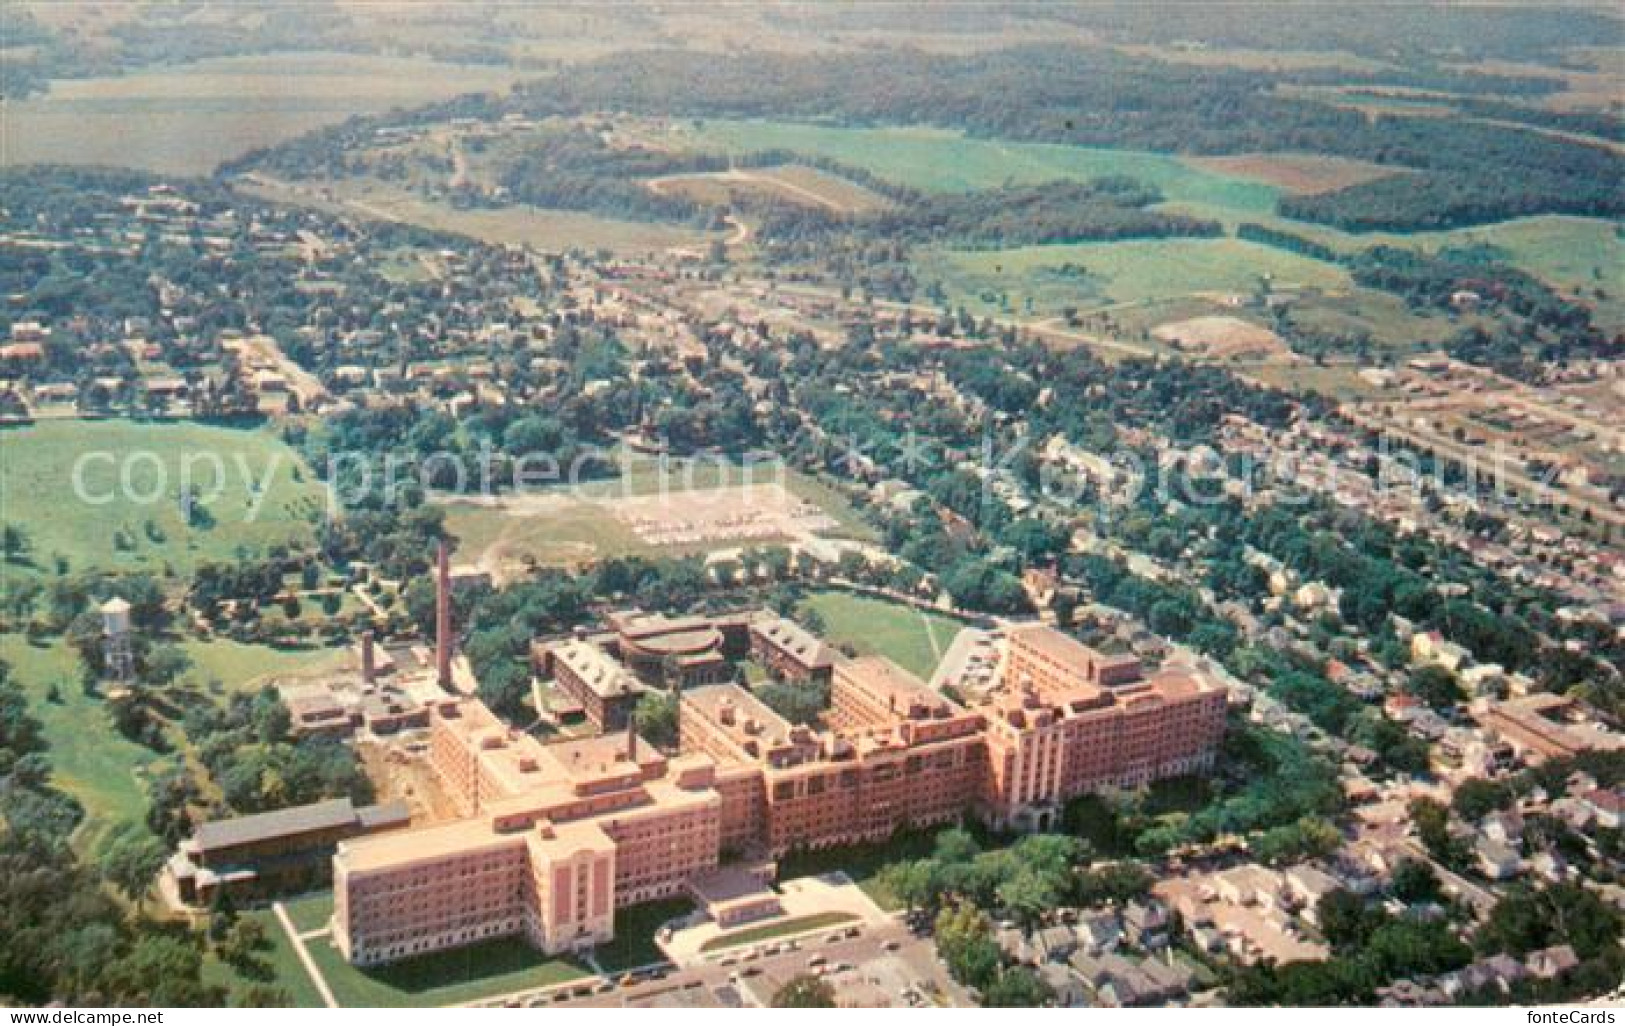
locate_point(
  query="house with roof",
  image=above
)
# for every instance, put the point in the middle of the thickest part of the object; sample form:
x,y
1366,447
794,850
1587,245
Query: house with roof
x,y
1496,860
1146,924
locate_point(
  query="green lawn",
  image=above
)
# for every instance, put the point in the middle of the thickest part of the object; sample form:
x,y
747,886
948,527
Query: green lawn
x,y
910,637
89,758
240,667
472,973
635,929
478,971
126,515
310,911
782,928
282,968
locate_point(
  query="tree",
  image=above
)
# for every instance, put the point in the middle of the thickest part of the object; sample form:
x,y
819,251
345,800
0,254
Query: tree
x,y
1344,919
1476,798
1028,895
132,859
1432,821
165,664
965,941
261,995
1566,913
1436,686
14,543
1415,881
1017,987
913,882
805,991
242,941
798,703
655,717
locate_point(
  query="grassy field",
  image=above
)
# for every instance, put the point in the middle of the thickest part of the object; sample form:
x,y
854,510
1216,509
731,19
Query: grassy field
x,y
635,929
474,973
132,473
186,119
282,968
528,226
310,911
89,758
945,161
782,928
478,971
912,638
1108,273
240,667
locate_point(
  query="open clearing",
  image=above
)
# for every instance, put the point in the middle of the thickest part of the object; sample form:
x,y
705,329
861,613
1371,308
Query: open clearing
x,y
89,758
1222,338
781,928
792,183
912,638
528,226
240,667
689,507
186,119
1105,273
1302,173
255,489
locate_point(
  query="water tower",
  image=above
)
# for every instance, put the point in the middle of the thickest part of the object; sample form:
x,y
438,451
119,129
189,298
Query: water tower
x,y
116,649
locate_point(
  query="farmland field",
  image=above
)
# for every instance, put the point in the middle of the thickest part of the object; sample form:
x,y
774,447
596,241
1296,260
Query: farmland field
x,y
129,517
186,119
1296,172
1106,273
945,161
911,638
528,226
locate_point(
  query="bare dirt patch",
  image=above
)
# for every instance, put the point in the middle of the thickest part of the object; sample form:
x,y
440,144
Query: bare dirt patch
x,y
792,183
1222,338
1302,173
711,516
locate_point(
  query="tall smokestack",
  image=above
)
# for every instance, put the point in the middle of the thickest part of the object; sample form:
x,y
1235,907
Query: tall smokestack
x,y
369,667
631,739
442,617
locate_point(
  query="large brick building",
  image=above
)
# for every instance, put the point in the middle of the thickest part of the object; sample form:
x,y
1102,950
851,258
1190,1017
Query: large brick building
x,y
1065,720
552,838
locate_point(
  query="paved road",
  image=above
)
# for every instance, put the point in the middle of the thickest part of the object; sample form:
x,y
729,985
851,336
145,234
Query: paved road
x,y
748,969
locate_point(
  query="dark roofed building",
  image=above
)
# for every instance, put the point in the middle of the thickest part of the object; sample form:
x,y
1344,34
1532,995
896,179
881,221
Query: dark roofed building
x,y
274,852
